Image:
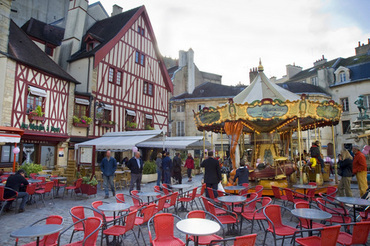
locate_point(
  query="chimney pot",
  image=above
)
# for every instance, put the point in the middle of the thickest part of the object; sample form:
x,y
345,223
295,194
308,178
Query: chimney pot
x,y
368,41
359,43
116,10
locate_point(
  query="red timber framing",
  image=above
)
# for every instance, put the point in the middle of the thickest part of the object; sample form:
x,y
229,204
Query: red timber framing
x,y
119,54
55,105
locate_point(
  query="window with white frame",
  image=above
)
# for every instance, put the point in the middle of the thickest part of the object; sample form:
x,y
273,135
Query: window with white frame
x,y
180,108
345,104
342,76
314,81
180,128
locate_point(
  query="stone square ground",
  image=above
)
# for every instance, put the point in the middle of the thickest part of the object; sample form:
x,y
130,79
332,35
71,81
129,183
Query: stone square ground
x,y
10,221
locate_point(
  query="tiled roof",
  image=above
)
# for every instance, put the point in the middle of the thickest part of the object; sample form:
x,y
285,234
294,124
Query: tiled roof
x,y
212,90
42,31
23,49
104,30
303,88
312,71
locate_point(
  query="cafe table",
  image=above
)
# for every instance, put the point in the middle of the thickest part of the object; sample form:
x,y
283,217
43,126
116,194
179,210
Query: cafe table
x,y
181,187
148,194
304,187
36,231
234,187
114,207
197,227
311,214
32,181
355,201
233,199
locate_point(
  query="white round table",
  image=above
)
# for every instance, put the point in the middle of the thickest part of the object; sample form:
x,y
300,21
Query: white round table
x,y
198,227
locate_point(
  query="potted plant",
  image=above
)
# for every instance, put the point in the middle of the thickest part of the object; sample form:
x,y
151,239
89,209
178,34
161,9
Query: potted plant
x,y
149,127
149,172
131,126
89,186
31,168
107,124
196,166
36,114
84,121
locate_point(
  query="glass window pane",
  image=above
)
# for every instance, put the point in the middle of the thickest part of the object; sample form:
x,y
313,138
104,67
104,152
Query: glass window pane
x,y
5,153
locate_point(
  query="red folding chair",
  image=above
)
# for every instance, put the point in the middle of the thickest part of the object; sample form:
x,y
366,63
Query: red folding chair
x,y
256,215
164,230
147,212
47,190
337,217
290,196
278,196
247,240
100,214
75,187
259,189
206,207
360,234
276,226
172,203
4,201
121,230
229,218
188,198
91,231
160,204
201,193
329,236
305,223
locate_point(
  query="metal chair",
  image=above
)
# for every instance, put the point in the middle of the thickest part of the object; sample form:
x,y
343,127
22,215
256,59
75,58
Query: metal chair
x,y
329,236
247,240
164,230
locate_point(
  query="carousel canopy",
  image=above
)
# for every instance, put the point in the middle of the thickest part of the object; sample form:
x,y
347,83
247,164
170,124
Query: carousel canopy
x,y
266,107
261,87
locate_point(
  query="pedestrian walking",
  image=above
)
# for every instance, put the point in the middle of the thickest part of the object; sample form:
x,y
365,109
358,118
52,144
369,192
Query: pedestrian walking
x,y
189,164
108,166
360,169
212,173
177,163
345,170
167,167
136,164
158,162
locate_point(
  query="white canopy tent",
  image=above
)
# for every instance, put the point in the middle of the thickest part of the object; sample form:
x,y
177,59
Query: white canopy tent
x,y
120,141
193,142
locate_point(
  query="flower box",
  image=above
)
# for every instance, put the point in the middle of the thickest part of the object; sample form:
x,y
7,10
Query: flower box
x,y
131,129
36,118
81,125
88,189
147,178
106,125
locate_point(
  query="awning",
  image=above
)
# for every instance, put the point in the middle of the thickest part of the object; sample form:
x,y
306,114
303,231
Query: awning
x,y
149,116
82,101
130,112
120,141
108,107
37,92
9,138
175,143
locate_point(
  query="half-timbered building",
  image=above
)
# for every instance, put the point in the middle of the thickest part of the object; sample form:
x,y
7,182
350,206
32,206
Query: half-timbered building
x,y
36,96
120,66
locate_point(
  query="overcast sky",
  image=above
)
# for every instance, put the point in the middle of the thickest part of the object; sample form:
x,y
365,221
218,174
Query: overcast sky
x,y
229,36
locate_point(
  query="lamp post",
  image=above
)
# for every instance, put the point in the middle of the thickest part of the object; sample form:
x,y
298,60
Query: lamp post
x,y
16,150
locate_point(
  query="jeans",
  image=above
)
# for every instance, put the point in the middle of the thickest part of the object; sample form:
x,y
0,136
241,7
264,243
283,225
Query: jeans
x,y
108,180
167,177
135,178
189,173
24,196
159,177
214,187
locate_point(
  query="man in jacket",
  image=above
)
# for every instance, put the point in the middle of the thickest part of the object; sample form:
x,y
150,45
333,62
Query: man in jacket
x,y
167,167
212,173
15,183
242,173
315,153
177,163
136,165
108,166
359,168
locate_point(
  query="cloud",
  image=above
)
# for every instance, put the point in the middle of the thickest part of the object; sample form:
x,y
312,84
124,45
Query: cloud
x,y
228,37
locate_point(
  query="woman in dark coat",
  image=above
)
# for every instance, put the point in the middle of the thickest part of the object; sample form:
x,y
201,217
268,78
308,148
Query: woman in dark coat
x,y
345,170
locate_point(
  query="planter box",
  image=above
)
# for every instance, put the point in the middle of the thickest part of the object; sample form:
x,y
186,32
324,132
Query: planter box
x,y
196,171
81,125
106,125
147,178
132,129
37,118
88,189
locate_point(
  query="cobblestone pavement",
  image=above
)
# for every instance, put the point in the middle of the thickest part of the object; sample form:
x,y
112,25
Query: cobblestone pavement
x,y
10,221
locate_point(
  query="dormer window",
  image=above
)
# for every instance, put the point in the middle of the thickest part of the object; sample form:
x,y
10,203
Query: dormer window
x,y
91,43
342,74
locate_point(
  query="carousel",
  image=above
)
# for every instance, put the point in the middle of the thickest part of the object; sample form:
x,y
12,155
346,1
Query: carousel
x,y
271,115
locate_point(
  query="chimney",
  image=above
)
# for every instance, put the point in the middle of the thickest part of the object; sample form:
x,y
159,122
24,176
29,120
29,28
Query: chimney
x,y
116,10
4,24
320,61
363,49
252,74
74,30
292,70
182,58
191,71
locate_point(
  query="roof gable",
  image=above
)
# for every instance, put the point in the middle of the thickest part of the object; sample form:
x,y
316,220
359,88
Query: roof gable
x,y
44,32
23,49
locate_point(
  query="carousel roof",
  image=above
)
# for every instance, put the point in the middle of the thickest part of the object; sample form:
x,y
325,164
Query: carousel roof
x,y
262,87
